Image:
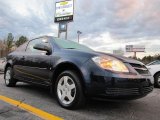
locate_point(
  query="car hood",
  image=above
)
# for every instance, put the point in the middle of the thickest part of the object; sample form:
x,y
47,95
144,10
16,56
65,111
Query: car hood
x,y
121,58
91,54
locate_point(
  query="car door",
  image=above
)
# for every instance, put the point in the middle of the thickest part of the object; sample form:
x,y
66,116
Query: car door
x,y
37,63
154,67
18,60
1,64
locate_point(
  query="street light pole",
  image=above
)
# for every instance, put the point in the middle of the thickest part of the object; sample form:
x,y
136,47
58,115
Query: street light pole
x,y
79,32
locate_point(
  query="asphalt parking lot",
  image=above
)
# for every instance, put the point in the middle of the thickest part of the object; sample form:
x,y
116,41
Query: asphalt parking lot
x,y
147,108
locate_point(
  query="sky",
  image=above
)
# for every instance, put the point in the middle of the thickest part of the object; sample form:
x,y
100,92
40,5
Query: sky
x,y
106,25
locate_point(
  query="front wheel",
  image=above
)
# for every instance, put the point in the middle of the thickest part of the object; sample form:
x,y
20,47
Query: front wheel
x,y
9,80
157,80
69,90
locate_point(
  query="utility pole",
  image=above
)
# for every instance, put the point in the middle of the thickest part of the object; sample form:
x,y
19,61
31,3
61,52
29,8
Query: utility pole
x,y
79,32
135,55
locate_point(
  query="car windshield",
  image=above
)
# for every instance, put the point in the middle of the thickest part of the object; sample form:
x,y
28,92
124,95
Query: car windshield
x,y
154,63
68,44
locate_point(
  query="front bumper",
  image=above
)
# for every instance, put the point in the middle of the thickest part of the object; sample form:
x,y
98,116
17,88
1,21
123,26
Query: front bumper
x,y
120,88
129,88
108,84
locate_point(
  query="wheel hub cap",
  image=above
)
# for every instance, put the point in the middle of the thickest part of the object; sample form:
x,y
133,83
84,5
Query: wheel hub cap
x,y
159,79
66,90
7,77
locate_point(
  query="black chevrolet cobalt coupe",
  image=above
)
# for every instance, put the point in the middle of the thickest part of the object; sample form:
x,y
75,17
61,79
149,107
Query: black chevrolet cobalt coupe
x,y
75,72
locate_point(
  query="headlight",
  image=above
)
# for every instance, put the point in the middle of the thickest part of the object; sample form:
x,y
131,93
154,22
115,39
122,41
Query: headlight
x,y
110,63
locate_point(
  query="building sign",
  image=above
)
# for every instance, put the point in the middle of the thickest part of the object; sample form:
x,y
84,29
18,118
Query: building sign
x,y
62,27
64,11
135,48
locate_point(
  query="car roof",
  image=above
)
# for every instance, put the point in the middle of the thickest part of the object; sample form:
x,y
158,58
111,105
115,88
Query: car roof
x,y
45,36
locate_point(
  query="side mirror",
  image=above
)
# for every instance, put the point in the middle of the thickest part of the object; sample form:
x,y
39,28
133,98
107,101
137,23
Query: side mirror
x,y
43,48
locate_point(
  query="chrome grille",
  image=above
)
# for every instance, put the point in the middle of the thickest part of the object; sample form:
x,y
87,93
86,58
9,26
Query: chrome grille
x,y
122,91
128,91
146,90
141,69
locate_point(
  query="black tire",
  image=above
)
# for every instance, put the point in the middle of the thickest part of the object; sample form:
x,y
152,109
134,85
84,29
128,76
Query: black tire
x,y
79,99
9,82
157,80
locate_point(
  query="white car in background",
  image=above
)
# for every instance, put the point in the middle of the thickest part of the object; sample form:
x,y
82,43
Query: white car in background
x,y
154,68
2,63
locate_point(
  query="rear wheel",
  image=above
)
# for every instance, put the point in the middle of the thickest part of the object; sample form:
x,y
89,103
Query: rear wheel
x,y
9,80
69,90
157,80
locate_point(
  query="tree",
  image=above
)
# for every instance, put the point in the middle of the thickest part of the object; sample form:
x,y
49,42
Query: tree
x,y
9,42
21,40
148,59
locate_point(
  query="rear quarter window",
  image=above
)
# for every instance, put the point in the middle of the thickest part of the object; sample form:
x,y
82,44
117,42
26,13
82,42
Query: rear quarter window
x,y
22,48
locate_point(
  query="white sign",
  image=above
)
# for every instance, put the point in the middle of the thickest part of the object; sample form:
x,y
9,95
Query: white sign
x,y
64,11
135,48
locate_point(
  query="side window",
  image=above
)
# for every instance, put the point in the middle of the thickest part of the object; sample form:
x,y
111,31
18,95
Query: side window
x,y
45,42
31,45
22,48
155,63
34,42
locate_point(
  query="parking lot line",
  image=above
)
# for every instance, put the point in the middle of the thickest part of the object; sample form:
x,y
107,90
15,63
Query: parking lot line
x,y
40,113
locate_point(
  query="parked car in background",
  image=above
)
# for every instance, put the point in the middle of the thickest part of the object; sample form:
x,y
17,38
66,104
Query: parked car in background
x,y
2,63
154,68
75,72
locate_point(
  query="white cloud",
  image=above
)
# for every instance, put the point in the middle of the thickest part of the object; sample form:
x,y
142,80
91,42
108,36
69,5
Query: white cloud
x,y
20,7
106,25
